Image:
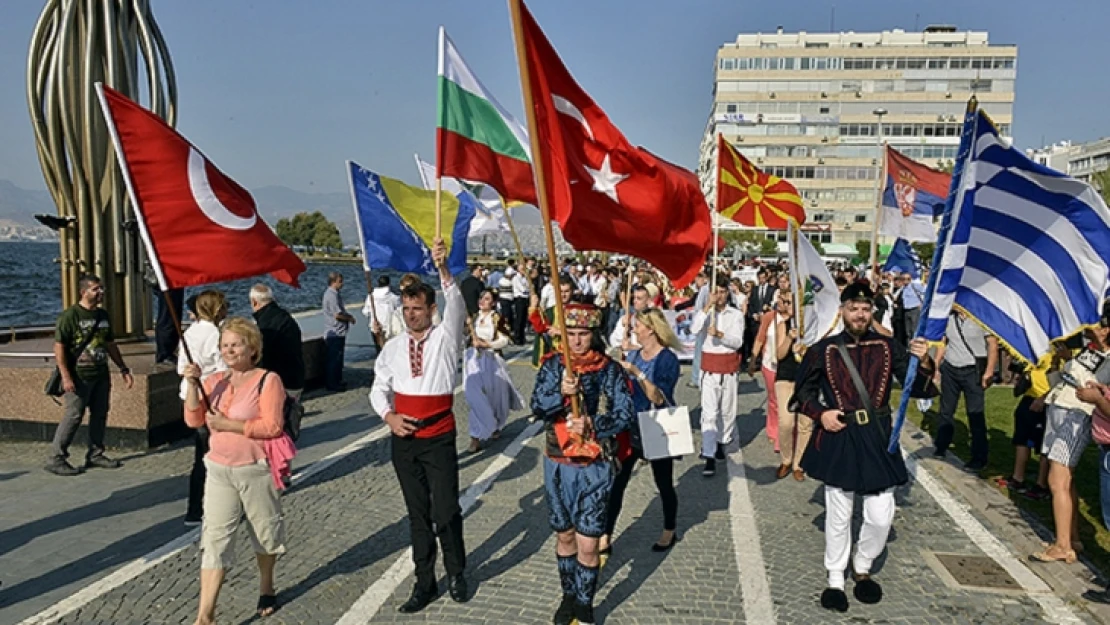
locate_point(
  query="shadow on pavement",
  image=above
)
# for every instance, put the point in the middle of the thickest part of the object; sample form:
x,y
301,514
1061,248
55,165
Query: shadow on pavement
x,y
695,502
123,501
93,565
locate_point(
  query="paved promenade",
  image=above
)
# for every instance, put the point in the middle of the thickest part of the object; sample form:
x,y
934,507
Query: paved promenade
x,y
110,547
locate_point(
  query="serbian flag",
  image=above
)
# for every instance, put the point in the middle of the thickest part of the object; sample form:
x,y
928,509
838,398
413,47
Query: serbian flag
x,y
606,194
751,197
198,225
914,195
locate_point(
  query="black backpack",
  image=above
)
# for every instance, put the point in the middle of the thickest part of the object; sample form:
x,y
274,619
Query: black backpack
x,y
292,412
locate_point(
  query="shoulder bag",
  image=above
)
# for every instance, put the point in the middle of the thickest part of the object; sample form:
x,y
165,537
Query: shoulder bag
x,y
292,412
53,386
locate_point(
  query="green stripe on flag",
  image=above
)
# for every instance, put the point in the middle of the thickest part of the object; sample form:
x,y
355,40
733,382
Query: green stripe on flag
x,y
473,117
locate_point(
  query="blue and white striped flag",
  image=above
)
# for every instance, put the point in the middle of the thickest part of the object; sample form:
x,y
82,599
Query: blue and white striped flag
x,y
1027,253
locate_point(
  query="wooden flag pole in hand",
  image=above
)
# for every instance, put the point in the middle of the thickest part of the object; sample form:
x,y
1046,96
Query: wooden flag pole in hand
x,y
516,239
541,188
439,206
185,346
379,340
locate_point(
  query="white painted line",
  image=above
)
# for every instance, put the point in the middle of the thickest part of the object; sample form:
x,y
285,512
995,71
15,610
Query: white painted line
x,y
140,565
1055,610
367,606
758,607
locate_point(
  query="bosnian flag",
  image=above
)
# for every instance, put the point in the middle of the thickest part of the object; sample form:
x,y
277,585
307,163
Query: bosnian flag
x,y
914,194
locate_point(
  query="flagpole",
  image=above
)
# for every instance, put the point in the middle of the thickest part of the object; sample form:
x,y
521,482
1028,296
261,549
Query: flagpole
x,y
800,282
377,338
512,231
144,233
439,206
541,188
878,196
946,225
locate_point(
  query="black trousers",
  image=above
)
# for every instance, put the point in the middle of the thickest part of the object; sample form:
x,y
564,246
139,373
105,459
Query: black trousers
x,y
507,310
165,335
428,470
663,472
520,319
333,362
953,382
198,474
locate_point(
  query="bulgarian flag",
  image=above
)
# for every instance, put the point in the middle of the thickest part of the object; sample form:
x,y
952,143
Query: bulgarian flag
x,y
476,138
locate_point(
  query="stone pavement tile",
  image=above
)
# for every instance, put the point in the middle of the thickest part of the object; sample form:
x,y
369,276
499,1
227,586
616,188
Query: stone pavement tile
x,y
790,519
346,526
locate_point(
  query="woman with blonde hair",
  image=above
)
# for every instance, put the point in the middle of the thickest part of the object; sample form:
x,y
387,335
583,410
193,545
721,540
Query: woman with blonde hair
x,y
654,370
209,309
245,411
490,393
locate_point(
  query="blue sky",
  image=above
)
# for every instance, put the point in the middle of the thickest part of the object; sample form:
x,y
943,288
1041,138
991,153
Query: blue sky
x,y
282,92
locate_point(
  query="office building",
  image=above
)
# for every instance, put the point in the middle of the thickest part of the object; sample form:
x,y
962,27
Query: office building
x,y
806,106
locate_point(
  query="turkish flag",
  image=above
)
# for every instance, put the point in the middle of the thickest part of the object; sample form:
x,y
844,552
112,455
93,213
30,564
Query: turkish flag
x,y
198,225
606,194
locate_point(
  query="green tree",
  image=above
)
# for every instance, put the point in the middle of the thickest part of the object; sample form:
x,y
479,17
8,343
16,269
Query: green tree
x,y
863,250
925,252
946,166
1100,180
326,236
768,247
284,231
818,247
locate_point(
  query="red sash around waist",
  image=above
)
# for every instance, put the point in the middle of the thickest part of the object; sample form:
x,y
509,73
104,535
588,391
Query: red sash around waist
x,y
433,411
720,363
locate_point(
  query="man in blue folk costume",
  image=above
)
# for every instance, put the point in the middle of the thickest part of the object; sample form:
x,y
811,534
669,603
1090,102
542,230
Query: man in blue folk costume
x,y
580,453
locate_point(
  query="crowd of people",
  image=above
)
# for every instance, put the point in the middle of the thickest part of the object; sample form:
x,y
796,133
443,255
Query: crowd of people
x,y
827,409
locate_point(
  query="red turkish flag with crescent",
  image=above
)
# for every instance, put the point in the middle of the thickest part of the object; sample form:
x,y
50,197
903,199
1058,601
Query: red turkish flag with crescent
x,y
198,225
606,194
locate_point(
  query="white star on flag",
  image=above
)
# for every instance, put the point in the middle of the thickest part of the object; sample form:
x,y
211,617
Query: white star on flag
x,y
605,180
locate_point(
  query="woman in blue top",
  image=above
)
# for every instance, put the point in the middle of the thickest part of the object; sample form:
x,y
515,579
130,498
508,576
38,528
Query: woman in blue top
x,y
654,372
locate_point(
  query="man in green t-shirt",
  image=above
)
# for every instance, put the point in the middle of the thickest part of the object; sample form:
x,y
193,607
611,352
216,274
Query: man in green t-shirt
x,y
85,377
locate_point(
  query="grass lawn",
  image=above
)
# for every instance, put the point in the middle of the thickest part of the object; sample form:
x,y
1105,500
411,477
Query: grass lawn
x,y
1000,403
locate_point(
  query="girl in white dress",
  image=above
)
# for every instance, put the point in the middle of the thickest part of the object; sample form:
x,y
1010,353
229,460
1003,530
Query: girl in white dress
x,y
490,394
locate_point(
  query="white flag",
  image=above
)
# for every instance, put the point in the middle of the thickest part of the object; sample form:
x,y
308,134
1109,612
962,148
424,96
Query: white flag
x,y
815,293
489,215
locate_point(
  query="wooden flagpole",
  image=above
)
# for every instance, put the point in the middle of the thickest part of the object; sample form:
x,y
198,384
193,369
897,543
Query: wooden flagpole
x,y
541,187
512,231
880,189
378,340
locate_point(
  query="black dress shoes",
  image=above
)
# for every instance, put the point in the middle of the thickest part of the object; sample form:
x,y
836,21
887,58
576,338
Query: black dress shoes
x,y
458,589
834,599
420,598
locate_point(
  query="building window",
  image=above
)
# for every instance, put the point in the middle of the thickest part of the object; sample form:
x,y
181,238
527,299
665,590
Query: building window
x,y
980,86
958,63
938,63
730,108
861,219
815,44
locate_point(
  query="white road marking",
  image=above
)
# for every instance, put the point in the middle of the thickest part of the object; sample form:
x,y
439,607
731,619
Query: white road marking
x,y
1055,610
758,607
367,606
140,565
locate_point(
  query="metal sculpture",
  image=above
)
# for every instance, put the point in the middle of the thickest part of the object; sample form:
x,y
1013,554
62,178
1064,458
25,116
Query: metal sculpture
x,y
75,44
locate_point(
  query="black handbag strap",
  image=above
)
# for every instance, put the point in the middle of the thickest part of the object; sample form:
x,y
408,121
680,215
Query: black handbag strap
x,y
960,331
88,340
857,381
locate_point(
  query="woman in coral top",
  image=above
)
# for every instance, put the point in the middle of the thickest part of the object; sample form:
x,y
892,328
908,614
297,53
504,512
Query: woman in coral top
x,y
246,411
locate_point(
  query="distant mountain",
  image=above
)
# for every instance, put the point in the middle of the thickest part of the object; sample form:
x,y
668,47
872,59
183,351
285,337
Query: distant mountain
x,y
18,206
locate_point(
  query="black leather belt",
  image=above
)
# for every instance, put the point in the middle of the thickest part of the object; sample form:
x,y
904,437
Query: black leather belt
x,y
420,424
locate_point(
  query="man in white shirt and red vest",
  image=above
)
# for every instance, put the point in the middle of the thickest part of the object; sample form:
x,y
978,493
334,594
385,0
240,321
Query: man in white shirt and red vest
x,y
721,330
413,391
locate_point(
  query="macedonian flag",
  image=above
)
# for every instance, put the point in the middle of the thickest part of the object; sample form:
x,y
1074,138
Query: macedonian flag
x,y
750,197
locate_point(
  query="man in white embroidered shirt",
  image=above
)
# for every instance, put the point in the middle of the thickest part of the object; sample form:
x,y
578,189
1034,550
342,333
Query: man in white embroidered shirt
x,y
721,328
413,391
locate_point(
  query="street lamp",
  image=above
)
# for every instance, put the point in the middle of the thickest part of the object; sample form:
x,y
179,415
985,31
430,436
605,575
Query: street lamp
x,y
878,113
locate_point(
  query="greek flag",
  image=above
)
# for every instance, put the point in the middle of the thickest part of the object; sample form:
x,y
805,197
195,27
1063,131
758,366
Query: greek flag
x,y
1026,250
